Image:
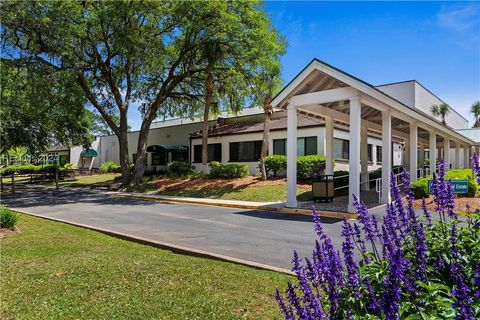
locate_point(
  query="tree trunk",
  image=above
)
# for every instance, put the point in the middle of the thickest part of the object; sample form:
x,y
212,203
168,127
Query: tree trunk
x,y
142,148
267,108
208,101
123,144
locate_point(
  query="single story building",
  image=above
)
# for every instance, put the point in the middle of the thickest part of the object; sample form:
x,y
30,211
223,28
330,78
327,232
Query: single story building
x,y
359,127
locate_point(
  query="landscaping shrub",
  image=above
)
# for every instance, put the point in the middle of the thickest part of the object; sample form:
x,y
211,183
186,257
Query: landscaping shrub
x,y
69,166
229,171
110,167
8,218
410,267
420,187
341,182
275,163
8,171
180,168
307,166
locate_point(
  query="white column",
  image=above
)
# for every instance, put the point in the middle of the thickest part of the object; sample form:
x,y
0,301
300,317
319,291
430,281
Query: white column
x,y
466,156
421,157
457,155
329,145
433,152
364,158
386,155
406,154
446,153
354,161
291,156
413,151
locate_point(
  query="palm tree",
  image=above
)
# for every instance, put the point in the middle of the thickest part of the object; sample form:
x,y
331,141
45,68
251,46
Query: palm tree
x,y
269,84
440,110
475,110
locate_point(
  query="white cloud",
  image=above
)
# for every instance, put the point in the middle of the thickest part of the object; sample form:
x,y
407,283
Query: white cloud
x,y
460,17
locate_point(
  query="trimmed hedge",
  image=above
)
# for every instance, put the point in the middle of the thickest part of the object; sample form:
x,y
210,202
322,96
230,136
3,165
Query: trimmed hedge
x,y
26,169
110,167
420,187
180,168
275,164
307,166
229,171
8,218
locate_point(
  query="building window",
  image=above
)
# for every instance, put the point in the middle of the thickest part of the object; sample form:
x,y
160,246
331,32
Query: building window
x,y
305,146
214,152
341,149
279,146
248,151
159,158
370,156
379,153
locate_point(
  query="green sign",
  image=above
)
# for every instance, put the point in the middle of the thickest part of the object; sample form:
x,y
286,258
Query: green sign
x,y
459,186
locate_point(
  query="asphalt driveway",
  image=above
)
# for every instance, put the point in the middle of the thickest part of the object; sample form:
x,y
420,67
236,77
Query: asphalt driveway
x,y
258,236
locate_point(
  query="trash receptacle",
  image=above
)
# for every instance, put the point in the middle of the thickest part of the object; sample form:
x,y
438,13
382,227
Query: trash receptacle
x,y
323,188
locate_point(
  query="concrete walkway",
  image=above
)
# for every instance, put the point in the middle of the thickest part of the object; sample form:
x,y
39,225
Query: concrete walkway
x,y
260,237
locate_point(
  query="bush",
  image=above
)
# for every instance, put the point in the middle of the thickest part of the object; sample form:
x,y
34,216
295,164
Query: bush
x,y
275,163
307,166
341,182
8,171
420,187
180,168
110,167
412,267
69,166
229,171
8,218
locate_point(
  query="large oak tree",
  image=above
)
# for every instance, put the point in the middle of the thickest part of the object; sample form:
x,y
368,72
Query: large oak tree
x,y
125,51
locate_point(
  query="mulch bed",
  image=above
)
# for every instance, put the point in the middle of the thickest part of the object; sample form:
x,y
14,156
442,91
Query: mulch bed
x,y
8,232
174,184
460,204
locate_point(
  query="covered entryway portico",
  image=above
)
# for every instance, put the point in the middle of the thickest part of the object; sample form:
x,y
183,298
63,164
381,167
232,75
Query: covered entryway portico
x,y
344,101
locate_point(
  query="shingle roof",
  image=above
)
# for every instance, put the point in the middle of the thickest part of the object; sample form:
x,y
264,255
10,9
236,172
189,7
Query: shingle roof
x,y
239,128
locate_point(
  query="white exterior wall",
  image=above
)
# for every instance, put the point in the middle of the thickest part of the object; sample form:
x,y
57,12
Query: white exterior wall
x,y
302,132
416,96
424,101
402,91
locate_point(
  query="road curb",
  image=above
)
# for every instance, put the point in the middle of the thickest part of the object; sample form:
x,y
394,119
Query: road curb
x,y
164,245
298,211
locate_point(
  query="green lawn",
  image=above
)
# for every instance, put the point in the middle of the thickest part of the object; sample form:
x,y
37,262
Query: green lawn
x,y
56,271
81,181
271,193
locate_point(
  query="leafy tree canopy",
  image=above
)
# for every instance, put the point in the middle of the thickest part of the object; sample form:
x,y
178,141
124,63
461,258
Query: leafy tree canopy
x,y
152,52
40,108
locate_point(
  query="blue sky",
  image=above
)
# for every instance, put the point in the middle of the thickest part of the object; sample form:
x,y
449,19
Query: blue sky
x,y
435,43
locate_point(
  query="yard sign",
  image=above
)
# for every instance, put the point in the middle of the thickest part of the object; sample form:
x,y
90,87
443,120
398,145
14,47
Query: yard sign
x,y
459,186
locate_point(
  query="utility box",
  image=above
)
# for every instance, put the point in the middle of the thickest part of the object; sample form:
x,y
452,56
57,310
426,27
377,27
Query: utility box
x,y
323,188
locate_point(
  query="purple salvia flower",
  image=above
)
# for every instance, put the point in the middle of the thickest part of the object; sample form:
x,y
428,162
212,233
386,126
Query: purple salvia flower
x,y
397,204
294,301
461,292
353,277
392,292
373,304
426,213
421,252
476,166
287,312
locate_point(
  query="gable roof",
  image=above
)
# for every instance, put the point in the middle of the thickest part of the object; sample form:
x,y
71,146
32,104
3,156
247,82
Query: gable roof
x,y
365,88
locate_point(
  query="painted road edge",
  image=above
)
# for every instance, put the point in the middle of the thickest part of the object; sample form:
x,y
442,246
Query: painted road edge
x,y
164,245
304,212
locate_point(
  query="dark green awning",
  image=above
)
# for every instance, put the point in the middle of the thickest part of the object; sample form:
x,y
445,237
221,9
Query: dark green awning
x,y
167,148
89,153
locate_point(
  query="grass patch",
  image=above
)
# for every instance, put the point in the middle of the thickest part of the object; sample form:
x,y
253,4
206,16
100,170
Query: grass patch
x,y
56,271
273,193
81,181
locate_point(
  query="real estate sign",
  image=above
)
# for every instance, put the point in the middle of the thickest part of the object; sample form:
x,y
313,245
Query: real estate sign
x,y
459,186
